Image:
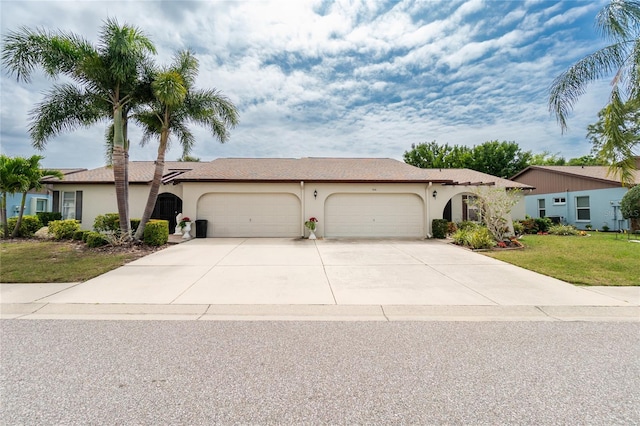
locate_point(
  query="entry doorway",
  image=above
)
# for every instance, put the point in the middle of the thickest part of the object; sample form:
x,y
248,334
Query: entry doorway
x,y
167,208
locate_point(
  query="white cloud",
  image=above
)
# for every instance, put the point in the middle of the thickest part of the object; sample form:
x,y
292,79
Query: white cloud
x,y
362,78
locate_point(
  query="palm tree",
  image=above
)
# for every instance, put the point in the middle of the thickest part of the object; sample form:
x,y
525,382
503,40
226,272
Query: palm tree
x,y
11,181
176,104
31,175
107,81
618,21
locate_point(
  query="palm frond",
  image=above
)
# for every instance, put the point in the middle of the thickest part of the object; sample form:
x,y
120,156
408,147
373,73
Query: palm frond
x,y
567,88
64,108
56,52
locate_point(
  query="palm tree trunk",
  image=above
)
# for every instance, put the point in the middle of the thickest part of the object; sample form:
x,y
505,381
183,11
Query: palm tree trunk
x,y
155,186
3,215
14,234
119,173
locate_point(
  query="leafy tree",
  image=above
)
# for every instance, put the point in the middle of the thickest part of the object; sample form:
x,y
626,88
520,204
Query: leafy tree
x,y
177,102
431,155
619,21
502,159
587,160
189,158
630,207
627,135
547,159
107,81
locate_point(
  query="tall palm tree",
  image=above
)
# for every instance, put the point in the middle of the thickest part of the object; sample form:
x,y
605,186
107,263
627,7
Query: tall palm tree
x,y
619,21
31,174
176,103
107,82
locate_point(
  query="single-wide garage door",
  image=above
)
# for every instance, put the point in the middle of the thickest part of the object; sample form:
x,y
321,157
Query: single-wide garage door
x,y
374,215
250,214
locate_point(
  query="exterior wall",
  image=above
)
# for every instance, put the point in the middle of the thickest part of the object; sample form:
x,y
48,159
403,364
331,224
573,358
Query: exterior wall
x,y
311,206
549,182
13,203
603,204
99,199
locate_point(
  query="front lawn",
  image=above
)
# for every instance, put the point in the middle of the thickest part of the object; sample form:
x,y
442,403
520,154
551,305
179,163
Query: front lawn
x,y
58,262
600,259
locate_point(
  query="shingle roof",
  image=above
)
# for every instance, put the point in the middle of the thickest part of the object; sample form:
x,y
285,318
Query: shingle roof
x,y
139,172
292,170
589,172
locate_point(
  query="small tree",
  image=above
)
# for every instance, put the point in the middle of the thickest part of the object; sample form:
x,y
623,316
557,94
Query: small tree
x,y
630,207
495,205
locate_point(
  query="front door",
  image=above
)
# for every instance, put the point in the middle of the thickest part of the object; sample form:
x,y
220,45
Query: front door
x,y
167,208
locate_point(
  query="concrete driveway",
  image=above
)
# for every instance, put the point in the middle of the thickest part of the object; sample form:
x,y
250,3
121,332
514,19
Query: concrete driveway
x,y
411,276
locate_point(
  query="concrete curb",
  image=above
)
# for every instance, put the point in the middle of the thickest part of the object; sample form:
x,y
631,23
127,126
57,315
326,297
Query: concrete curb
x,y
317,312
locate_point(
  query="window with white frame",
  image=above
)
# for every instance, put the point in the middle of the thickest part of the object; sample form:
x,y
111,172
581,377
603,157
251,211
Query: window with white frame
x,y
68,207
583,211
542,211
41,205
559,201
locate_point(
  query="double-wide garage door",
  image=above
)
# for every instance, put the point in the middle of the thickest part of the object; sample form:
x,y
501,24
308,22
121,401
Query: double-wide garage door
x,y
374,215
251,214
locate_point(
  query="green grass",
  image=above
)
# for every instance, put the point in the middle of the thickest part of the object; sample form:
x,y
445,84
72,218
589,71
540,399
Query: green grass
x,y
600,259
53,262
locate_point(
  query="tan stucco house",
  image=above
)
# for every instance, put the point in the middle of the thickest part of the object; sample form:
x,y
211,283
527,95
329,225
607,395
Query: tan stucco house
x,y
272,197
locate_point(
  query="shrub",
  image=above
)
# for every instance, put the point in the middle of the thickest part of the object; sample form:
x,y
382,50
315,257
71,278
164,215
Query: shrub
x,y
134,224
109,222
563,230
518,227
96,239
46,217
605,228
630,207
63,229
451,228
543,224
467,224
29,225
80,235
156,232
462,237
439,227
529,226
481,238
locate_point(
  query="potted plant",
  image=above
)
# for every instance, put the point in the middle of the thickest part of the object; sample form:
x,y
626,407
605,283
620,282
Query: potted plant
x,y
311,226
185,226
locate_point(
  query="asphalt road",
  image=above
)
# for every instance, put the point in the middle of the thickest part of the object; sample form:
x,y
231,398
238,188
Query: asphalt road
x,y
155,373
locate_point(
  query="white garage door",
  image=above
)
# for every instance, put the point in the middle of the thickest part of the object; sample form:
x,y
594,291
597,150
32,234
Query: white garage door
x,y
374,215
251,214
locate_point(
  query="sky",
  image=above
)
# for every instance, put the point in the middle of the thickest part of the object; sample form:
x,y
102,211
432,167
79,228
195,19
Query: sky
x,y
339,78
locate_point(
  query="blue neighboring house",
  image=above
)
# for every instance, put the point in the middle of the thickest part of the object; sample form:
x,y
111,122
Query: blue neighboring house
x,y
37,201
583,196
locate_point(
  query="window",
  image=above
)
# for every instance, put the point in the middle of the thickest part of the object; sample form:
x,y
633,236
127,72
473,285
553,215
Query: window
x,y
68,209
542,211
41,205
469,212
69,203
559,201
583,212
